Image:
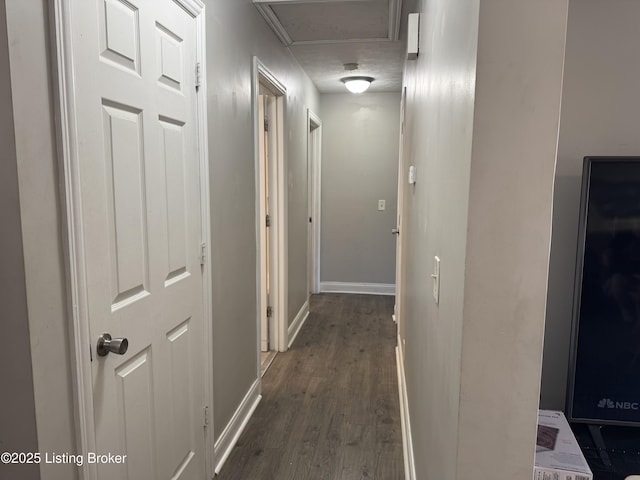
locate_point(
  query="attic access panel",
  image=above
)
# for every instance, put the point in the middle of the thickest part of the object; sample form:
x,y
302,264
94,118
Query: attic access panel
x,y
298,22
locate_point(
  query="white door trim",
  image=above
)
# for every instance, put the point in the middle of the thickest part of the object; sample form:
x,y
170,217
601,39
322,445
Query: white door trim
x,y
264,177
278,283
77,288
314,153
402,178
205,208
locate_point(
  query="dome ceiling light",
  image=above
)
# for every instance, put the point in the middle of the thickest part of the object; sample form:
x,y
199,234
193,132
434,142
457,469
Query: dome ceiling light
x,y
357,84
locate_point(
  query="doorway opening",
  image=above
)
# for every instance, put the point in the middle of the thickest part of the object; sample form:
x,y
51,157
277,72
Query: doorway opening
x,y
398,231
265,114
314,145
271,216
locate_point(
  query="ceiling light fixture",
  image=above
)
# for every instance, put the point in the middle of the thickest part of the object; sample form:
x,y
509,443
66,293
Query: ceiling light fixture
x,y
357,84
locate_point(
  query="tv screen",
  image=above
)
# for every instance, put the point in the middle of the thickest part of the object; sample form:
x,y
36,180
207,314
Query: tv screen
x,y
604,377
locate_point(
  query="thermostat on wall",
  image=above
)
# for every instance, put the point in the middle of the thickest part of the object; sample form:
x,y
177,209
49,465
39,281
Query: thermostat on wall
x,y
412,175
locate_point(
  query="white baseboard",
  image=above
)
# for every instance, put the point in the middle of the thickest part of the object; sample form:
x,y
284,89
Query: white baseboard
x,y
407,442
224,445
297,323
367,288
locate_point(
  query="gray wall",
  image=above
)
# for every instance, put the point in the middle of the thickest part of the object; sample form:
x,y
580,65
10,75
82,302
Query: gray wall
x,y
17,412
600,105
437,141
483,103
359,167
235,33
518,91
41,229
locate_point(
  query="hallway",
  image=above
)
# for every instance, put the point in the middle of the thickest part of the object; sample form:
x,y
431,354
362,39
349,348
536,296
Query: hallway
x,y
330,404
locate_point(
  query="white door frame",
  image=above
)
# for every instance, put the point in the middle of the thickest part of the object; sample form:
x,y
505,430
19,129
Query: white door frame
x,y
77,287
265,176
402,178
314,166
278,281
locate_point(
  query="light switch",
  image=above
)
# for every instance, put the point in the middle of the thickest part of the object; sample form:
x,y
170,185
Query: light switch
x,y
436,279
381,205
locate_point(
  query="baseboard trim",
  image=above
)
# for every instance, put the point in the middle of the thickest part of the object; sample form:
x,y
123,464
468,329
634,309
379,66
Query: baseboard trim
x,y
366,288
297,323
224,445
407,442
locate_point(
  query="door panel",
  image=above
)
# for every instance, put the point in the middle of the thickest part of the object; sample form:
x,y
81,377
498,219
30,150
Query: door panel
x,y
180,392
169,51
136,413
125,203
134,72
120,33
172,146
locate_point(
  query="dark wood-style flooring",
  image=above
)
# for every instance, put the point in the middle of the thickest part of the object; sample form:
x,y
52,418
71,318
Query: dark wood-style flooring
x,y
330,408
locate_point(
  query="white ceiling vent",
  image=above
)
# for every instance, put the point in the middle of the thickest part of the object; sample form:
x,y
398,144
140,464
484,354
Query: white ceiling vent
x,y
308,22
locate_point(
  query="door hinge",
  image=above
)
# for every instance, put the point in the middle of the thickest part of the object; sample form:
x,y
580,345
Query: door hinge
x,y
266,124
206,416
268,220
198,74
269,311
203,253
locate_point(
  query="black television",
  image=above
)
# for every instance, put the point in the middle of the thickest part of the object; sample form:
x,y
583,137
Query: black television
x,y
604,368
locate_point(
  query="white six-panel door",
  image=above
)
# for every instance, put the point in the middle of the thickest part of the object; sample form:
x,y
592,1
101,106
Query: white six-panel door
x,y
134,67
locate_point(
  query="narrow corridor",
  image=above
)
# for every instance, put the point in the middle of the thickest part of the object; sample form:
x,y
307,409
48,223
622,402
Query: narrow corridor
x,y
330,405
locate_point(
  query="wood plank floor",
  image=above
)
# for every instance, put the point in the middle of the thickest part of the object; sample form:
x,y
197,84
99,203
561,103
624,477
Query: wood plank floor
x,y
330,407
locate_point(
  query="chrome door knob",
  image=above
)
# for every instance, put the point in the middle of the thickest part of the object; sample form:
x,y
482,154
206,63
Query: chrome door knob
x,y
395,231
107,344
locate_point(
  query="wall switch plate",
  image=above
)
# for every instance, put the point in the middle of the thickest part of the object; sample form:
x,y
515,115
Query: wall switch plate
x,y
412,175
381,205
436,279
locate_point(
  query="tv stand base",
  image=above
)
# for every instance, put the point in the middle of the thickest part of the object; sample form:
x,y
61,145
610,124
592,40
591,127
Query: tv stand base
x,y
598,440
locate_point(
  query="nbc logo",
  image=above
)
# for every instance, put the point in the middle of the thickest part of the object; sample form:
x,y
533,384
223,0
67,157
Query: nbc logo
x,y
608,403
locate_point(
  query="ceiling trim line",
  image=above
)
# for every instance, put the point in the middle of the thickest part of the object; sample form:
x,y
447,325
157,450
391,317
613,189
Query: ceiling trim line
x,y
395,14
346,40
293,2
271,18
263,6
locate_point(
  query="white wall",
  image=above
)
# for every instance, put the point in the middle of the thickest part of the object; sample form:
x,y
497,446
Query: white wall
x,y
600,105
359,167
483,103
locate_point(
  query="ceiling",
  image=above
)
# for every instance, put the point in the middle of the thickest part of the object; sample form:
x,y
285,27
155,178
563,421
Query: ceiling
x,y
325,34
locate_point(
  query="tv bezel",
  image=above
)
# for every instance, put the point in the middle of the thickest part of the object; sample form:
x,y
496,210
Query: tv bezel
x,y
577,291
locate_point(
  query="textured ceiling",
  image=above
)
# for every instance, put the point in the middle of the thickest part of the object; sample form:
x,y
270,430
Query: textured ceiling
x,y
324,64
335,21
325,34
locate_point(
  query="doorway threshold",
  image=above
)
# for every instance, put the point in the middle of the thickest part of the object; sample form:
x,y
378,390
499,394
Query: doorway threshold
x,y
265,361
